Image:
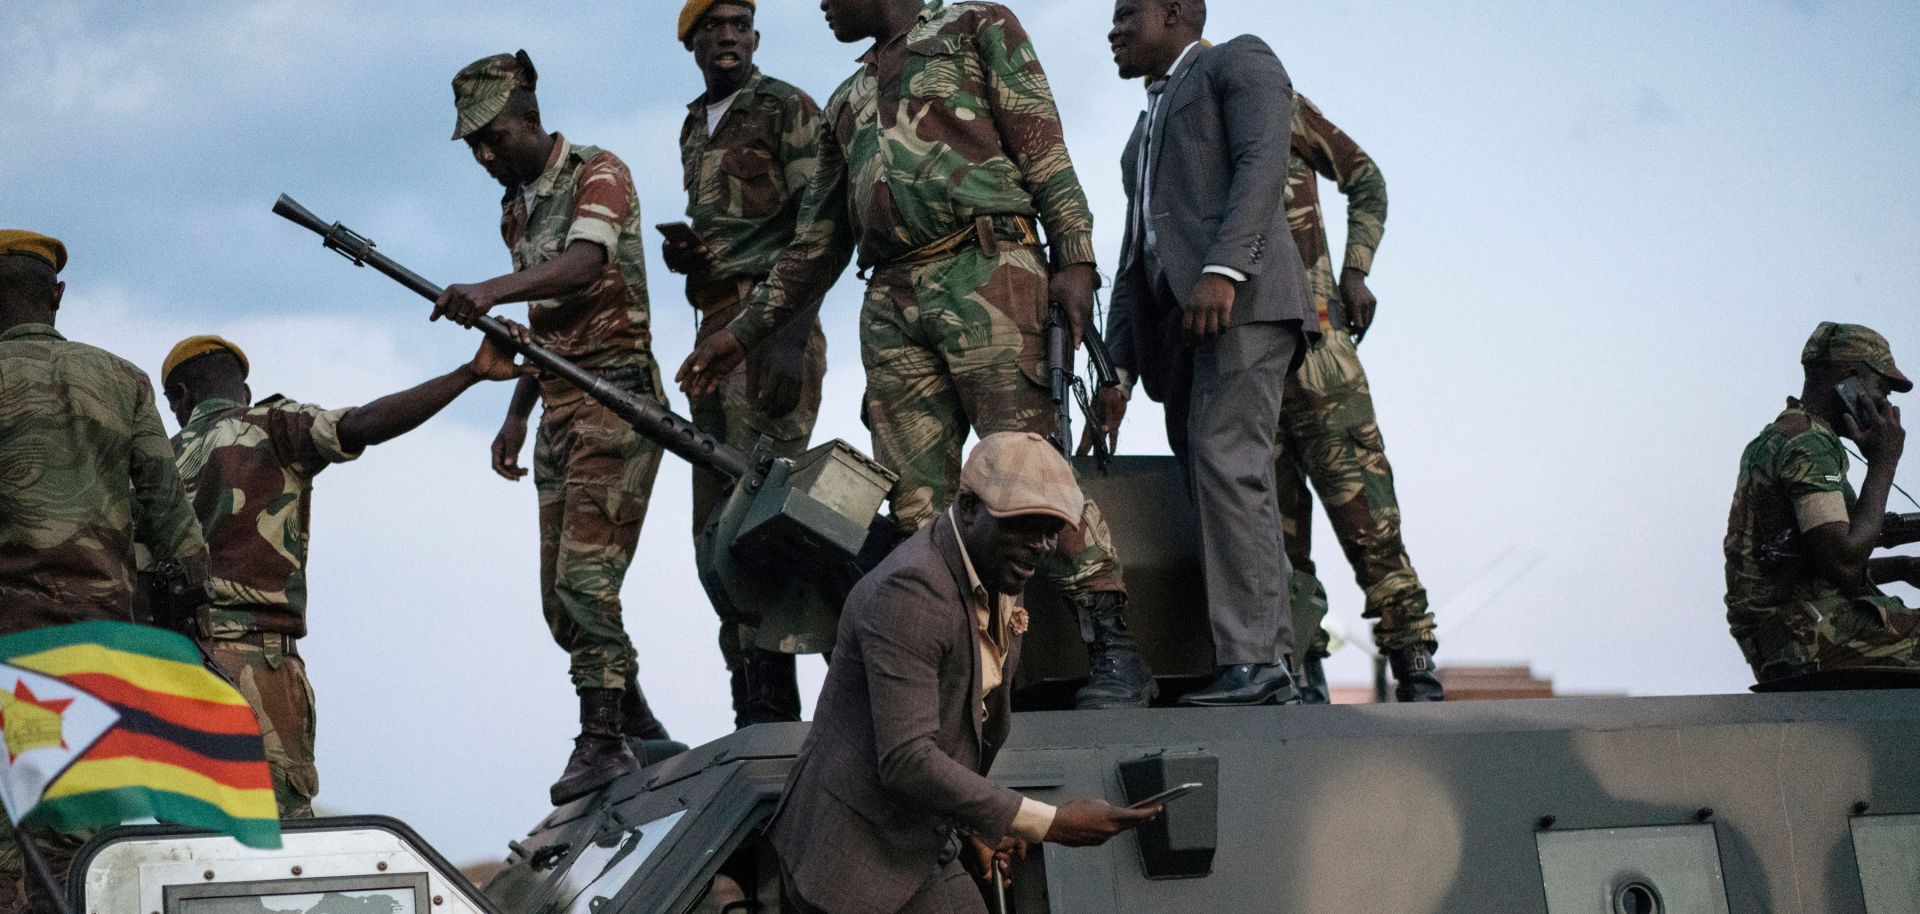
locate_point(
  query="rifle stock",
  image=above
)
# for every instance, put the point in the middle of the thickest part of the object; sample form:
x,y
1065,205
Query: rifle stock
x,y
647,416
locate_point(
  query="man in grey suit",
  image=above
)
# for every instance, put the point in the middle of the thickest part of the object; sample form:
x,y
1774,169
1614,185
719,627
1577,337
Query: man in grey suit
x,y
890,787
1208,310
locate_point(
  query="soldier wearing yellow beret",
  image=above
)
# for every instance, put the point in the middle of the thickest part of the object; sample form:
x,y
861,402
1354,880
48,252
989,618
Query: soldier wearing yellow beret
x,y
248,471
89,476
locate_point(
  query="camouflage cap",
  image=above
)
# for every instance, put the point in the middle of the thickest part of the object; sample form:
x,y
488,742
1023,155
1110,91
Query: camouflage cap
x,y
481,89
1852,344
1017,473
34,244
194,347
691,13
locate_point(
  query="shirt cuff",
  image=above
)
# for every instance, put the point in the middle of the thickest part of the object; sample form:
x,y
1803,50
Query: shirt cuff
x,y
1126,379
1359,257
326,436
600,232
1033,821
1071,249
1228,272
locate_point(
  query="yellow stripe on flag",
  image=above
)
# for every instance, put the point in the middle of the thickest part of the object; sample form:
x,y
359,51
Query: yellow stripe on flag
x,y
170,677
119,773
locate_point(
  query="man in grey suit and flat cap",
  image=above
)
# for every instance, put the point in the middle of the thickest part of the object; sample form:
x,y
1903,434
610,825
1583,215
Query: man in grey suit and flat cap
x,y
1208,311
890,790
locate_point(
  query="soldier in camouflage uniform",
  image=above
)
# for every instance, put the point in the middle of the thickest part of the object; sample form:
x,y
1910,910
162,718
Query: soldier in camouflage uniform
x,y
935,161
1328,434
249,472
748,148
88,492
571,220
1802,585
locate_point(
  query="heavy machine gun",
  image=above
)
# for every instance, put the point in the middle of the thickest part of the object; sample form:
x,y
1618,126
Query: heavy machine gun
x,y
783,544
1900,530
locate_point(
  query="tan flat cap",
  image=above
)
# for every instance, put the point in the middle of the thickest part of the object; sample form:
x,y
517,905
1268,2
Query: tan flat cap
x,y
1015,473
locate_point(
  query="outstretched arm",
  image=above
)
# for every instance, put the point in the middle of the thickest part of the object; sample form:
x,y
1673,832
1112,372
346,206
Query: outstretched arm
x,y
397,414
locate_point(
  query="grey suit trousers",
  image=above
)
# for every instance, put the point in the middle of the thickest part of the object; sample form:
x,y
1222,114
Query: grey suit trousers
x,y
1221,426
952,890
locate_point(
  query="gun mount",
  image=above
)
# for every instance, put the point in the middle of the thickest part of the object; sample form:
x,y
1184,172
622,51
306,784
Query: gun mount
x,y
811,515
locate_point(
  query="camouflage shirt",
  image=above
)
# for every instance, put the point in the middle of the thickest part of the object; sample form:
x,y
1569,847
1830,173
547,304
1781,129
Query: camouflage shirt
x,y
1771,581
249,471
585,194
1320,148
85,474
952,120
745,181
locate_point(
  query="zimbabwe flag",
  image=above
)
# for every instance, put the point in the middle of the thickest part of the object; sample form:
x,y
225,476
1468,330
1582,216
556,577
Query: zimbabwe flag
x,y
105,722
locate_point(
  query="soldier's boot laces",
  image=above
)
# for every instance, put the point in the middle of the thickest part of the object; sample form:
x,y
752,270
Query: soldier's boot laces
x,y
1414,675
600,753
1117,676
773,691
1313,682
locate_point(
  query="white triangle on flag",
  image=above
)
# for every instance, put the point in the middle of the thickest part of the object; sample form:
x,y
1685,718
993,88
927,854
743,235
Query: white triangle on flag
x,y
47,724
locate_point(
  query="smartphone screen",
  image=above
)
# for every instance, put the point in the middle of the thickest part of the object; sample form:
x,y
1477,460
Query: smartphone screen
x,y
1165,796
1853,394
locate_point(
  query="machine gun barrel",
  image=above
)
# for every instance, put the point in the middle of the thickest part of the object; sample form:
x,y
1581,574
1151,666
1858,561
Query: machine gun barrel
x,y
647,416
1899,530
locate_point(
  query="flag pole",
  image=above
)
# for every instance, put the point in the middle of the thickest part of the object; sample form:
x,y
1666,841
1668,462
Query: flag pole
x,y
36,865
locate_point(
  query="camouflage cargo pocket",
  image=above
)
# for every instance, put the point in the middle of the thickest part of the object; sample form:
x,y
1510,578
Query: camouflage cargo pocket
x,y
937,67
752,183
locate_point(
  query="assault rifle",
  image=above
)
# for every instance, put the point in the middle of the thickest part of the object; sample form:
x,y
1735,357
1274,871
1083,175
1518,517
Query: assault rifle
x,y
1064,386
788,529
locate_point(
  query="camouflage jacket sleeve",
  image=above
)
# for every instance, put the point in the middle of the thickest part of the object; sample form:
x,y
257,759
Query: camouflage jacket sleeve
x,y
603,202
163,521
306,438
1029,123
1809,464
822,245
1335,155
799,139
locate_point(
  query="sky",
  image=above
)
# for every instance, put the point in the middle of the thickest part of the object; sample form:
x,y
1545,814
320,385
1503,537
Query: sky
x,y
1613,225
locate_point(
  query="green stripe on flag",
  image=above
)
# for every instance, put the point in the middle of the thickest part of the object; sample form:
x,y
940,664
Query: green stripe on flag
x,y
87,811
119,636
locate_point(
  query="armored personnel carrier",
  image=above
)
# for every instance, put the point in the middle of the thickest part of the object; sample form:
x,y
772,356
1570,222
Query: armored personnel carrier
x,y
1733,804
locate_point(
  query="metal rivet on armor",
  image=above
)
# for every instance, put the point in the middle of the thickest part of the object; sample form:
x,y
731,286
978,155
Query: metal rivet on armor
x,y
1860,808
1546,822
1703,814
381,866
207,875
296,871
437,900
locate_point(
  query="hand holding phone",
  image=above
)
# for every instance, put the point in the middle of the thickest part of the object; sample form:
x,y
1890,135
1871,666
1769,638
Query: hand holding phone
x,y
1854,396
1166,796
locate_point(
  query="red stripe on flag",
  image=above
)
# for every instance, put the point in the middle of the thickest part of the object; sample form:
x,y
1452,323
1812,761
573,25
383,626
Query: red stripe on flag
x,y
205,716
122,744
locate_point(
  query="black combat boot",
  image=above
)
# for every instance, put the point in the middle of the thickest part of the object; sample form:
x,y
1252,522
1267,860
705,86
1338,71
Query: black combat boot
x,y
1413,674
1117,676
600,754
773,694
737,684
1313,683
636,716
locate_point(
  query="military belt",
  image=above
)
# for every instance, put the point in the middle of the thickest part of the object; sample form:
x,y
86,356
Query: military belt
x,y
268,641
986,231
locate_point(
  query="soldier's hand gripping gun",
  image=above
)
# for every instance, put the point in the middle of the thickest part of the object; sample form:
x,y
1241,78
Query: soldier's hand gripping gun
x,y
1899,530
784,540
1065,386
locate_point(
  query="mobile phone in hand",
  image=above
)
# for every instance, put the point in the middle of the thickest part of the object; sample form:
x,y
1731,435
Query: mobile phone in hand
x,y
1853,394
680,233
1165,796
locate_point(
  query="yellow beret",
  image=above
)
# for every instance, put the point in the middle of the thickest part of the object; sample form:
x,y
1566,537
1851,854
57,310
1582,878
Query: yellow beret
x,y
194,347
691,13
20,241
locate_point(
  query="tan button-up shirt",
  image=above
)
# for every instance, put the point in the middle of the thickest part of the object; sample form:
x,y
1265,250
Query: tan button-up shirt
x,y
991,614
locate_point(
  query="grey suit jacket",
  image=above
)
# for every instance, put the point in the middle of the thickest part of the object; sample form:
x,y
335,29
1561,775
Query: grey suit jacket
x,y
896,760
1219,198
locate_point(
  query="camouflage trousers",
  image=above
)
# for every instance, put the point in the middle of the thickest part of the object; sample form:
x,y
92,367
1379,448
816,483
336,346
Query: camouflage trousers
x,y
1328,437
1873,631
733,417
20,893
594,475
274,682
957,344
